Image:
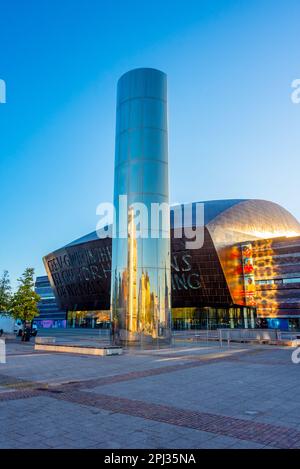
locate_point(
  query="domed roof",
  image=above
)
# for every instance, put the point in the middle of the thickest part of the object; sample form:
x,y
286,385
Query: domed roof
x,y
247,220
231,221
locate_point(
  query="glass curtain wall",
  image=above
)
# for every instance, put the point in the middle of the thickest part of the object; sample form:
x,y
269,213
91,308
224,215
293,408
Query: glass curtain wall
x,y
213,318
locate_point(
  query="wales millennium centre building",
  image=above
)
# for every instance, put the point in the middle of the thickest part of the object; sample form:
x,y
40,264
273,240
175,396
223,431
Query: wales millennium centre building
x,y
245,273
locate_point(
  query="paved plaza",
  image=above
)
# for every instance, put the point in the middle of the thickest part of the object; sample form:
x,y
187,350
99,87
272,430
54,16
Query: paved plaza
x,y
192,395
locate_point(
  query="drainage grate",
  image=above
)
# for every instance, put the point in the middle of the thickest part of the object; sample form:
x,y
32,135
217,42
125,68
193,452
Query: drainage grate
x,y
53,391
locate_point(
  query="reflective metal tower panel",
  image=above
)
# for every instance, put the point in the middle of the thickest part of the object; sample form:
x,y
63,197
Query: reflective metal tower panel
x,y
140,293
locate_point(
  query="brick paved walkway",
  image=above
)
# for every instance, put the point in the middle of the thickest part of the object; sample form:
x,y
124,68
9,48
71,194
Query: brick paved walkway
x,y
181,410
264,434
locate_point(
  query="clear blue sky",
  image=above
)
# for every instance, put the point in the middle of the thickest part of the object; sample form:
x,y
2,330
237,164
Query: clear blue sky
x,y
233,129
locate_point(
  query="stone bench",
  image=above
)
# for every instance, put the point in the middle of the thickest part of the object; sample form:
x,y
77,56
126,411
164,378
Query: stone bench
x,y
45,340
79,349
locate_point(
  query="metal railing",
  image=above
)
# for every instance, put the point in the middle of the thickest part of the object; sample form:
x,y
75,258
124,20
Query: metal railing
x,y
239,335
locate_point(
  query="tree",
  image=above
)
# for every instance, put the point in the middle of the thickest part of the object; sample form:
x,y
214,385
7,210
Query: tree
x,y
24,304
5,293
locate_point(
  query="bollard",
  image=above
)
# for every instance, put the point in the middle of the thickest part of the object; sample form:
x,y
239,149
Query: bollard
x,y
220,337
228,338
2,352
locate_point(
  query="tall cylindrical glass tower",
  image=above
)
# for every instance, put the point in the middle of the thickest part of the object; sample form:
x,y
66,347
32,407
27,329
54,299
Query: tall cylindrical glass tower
x,y
140,293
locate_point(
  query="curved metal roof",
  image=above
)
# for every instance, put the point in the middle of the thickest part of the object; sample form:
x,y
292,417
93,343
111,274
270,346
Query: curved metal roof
x,y
232,220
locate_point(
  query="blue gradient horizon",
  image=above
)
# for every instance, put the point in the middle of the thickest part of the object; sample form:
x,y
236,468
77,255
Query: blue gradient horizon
x,y
233,129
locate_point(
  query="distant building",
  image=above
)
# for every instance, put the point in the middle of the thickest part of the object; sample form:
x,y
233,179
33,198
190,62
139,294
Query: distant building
x,y
51,316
